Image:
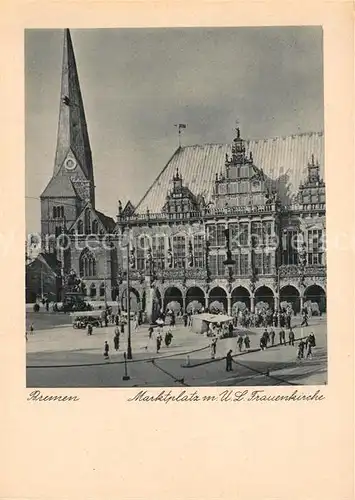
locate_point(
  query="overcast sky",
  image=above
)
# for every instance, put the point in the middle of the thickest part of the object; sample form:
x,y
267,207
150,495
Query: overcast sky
x,y
137,83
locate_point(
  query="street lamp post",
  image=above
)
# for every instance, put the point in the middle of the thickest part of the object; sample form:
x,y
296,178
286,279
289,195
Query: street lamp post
x,y
129,346
125,376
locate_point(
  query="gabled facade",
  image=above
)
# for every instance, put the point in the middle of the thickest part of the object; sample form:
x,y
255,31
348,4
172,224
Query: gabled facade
x,y
267,196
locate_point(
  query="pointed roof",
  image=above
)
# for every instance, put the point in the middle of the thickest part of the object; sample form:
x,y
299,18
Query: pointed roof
x,y
282,159
107,221
72,127
59,187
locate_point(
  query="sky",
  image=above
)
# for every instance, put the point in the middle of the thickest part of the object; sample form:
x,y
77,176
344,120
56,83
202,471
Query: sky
x,y
137,83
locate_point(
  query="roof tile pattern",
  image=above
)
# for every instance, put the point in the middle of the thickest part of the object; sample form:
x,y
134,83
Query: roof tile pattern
x,y
284,161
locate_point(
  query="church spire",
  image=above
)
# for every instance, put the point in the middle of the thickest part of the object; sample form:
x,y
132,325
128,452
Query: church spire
x,y
73,145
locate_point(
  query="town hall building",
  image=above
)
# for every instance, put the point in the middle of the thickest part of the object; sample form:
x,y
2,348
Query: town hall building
x,y
262,202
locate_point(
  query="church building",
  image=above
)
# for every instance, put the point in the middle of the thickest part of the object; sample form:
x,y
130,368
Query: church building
x,y
222,225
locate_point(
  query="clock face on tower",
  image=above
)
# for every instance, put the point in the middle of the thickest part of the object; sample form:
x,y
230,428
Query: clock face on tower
x,y
70,164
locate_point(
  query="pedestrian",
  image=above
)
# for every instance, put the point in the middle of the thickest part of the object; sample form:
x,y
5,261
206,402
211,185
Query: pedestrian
x,y
240,343
305,319
89,329
26,336
291,337
230,327
117,319
282,337
122,327
159,339
213,348
106,350
301,347
136,322
150,332
272,336
288,321
262,342
168,337
172,319
229,360
31,328
312,339
309,350
106,320
247,342
185,317
116,341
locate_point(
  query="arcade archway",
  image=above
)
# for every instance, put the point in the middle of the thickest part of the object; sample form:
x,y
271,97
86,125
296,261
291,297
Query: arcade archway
x,y
195,298
217,299
315,293
291,295
172,294
264,294
135,302
240,295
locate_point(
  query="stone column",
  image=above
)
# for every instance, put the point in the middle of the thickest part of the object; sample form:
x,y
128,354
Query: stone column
x,y
229,305
301,303
276,302
183,303
252,303
206,302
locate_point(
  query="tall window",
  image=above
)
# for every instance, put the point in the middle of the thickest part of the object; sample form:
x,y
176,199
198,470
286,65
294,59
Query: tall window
x,y
244,264
212,234
236,257
199,251
212,262
179,250
221,238
95,227
102,290
289,248
158,251
87,264
80,227
58,231
243,234
216,235
315,247
258,263
87,222
267,263
267,232
93,290
141,245
58,212
234,235
257,232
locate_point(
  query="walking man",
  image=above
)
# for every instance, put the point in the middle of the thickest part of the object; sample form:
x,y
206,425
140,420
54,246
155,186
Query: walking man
x,y
213,348
229,361
240,343
272,336
106,350
247,342
291,337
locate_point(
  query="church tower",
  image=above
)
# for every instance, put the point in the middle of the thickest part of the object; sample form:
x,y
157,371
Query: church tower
x,y
72,184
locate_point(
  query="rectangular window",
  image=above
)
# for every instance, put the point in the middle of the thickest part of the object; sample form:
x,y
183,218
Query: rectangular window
x,y
212,234
290,248
158,251
257,233
236,257
212,262
179,251
267,263
258,263
199,250
234,235
221,266
244,233
244,264
221,239
315,247
142,243
267,232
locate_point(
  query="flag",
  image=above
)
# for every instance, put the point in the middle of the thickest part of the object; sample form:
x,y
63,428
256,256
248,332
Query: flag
x,y
180,126
65,100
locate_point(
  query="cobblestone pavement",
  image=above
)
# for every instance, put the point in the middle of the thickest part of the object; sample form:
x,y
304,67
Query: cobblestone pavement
x,y
66,357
